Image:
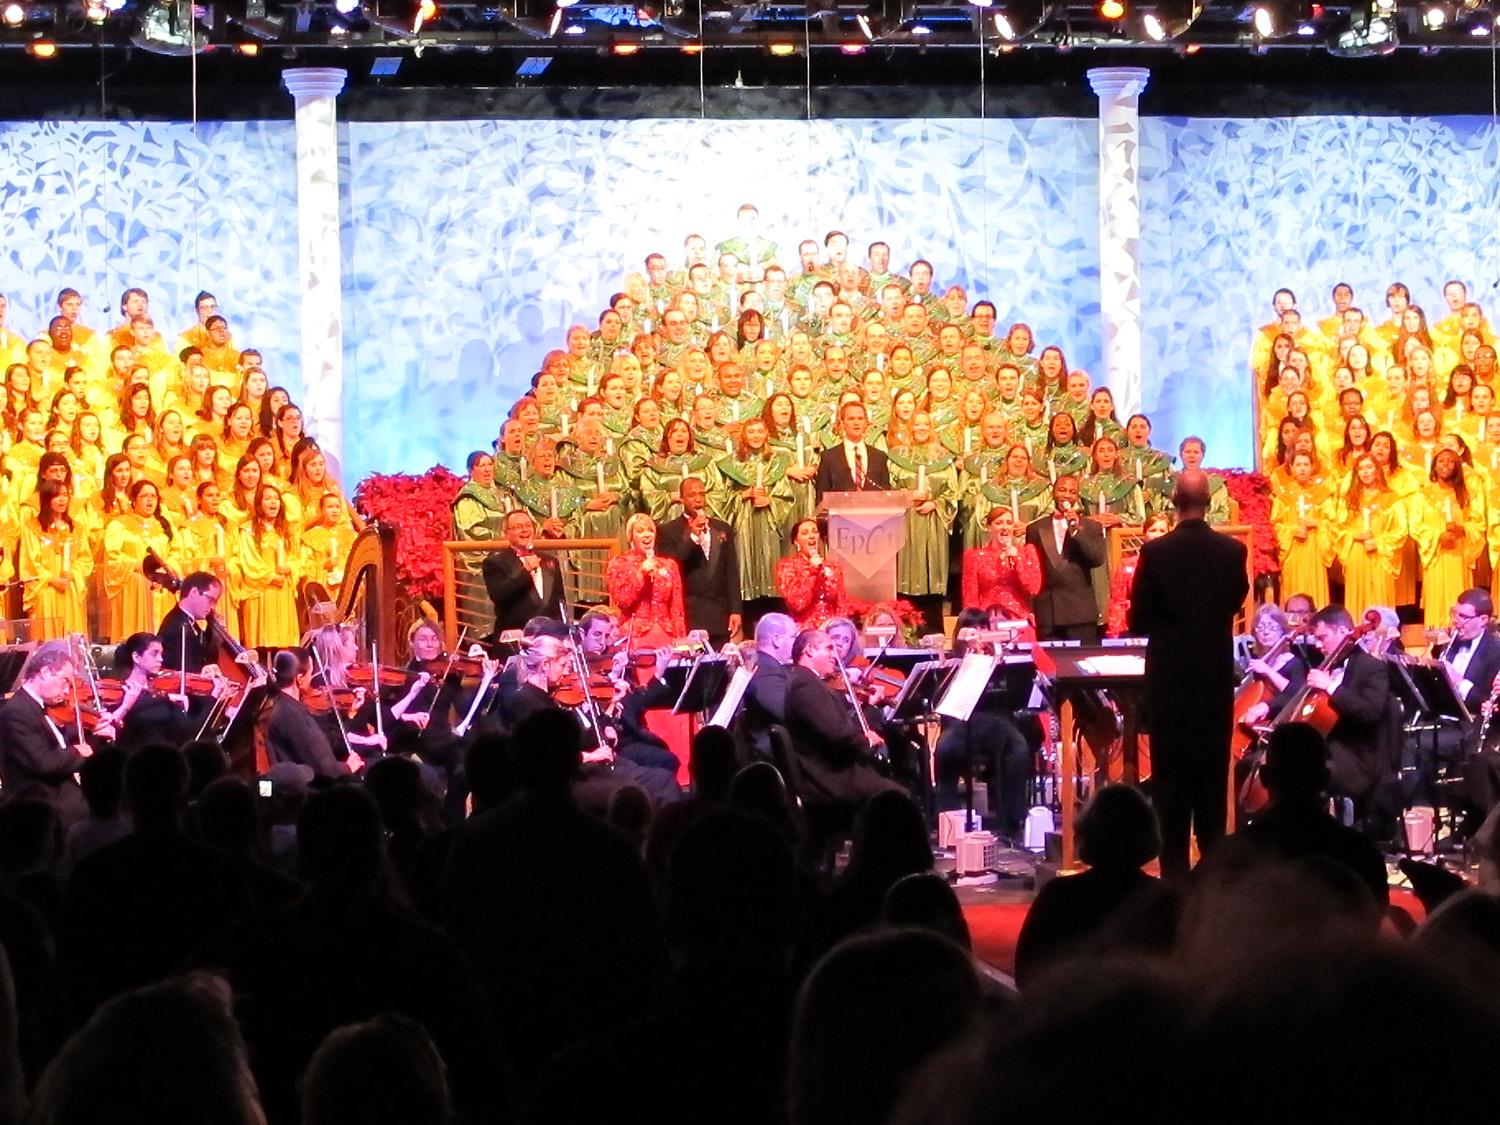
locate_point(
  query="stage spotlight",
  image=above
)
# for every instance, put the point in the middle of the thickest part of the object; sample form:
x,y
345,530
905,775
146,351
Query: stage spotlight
x,y
1112,9
853,48
575,29
1370,31
1016,19
13,14
983,3
692,48
345,7
1434,18
566,3
1479,29
1154,29
94,11
251,49
43,49
426,10
625,47
556,21
781,50
1264,21
1003,27
920,29
864,26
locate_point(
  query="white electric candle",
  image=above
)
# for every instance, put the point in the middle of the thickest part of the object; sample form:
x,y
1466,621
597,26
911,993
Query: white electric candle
x,y
1015,506
922,479
599,472
554,502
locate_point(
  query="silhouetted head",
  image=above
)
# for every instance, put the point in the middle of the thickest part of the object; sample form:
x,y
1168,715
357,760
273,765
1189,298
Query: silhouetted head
x,y
1118,830
547,750
382,1070
156,779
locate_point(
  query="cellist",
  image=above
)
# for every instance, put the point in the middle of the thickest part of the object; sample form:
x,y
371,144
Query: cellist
x,y
1276,667
1363,742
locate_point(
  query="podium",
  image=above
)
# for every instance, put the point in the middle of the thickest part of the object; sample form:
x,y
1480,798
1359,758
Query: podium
x,y
866,530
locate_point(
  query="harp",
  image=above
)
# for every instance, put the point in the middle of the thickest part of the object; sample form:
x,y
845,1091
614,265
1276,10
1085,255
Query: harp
x,y
369,596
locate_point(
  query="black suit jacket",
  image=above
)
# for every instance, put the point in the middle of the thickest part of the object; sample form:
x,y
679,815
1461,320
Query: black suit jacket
x,y
30,755
834,475
828,740
514,593
1363,746
763,706
181,637
1189,585
1484,665
1067,593
711,586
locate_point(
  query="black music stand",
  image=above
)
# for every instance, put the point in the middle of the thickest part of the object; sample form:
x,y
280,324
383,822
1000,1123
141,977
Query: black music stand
x,y
1008,690
703,684
1432,702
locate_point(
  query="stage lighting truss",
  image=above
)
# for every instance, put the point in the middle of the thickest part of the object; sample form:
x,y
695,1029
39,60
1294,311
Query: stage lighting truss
x,y
1351,28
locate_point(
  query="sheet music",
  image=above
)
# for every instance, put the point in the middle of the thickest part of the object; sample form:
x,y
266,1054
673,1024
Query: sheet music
x,y
967,686
732,696
1112,665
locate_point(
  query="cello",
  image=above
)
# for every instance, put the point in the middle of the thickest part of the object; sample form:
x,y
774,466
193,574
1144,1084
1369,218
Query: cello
x,y
1309,705
1255,691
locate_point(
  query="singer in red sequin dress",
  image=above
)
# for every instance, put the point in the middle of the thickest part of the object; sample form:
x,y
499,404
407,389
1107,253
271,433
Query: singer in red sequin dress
x,y
646,587
1123,582
811,584
1002,573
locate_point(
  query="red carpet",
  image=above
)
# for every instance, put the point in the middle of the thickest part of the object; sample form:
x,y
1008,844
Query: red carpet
x,y
994,928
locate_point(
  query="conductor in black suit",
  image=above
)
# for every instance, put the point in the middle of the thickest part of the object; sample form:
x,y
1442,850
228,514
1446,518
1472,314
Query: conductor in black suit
x,y
522,582
35,752
704,551
1189,585
852,466
1070,546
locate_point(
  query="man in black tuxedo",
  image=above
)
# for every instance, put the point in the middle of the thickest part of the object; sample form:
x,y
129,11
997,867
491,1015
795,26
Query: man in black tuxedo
x,y
35,753
1070,546
1364,744
522,582
852,466
1189,585
832,748
1472,659
764,704
704,551
187,646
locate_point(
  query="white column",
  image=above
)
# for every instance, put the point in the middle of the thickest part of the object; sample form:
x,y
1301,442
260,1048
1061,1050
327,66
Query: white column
x,y
319,262
1118,89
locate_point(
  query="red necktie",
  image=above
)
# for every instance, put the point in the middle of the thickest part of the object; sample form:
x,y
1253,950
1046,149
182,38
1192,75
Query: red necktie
x,y
859,466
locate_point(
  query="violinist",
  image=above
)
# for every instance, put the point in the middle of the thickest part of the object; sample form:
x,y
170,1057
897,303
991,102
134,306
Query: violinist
x,y
1282,675
352,720
834,750
36,752
599,638
545,663
291,732
1364,743
145,714
426,729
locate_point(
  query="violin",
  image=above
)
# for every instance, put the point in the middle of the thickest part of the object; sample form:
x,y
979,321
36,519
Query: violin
x,y
366,675
323,700
601,689
465,667
192,684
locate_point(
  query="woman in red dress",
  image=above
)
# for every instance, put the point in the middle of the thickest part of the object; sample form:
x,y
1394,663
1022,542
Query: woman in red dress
x,y
811,584
1123,582
1005,573
646,587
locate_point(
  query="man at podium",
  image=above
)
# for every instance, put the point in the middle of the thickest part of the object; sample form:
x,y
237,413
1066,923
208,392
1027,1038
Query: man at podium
x,y
852,465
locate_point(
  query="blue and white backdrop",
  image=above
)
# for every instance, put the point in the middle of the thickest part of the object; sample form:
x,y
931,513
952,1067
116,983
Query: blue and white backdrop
x,y
469,247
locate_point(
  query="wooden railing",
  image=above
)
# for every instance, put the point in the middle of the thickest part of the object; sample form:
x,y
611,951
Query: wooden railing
x,y
466,603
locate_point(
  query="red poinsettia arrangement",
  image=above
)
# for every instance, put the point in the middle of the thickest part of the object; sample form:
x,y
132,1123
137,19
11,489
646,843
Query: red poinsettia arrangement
x,y
1252,492
421,508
